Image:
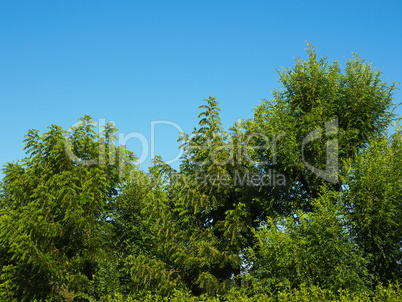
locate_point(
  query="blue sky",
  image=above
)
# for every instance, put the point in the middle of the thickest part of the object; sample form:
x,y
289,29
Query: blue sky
x,y
134,62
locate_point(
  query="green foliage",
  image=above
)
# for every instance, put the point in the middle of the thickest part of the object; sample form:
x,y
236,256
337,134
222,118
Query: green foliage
x,y
316,92
313,249
210,210
390,293
54,214
373,196
273,209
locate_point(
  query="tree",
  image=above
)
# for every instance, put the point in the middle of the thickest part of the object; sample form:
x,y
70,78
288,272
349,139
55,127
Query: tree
x,y
309,249
140,217
353,104
373,196
54,220
354,108
211,206
305,194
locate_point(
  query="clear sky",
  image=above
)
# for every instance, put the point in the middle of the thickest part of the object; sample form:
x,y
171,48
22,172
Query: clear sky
x,y
134,62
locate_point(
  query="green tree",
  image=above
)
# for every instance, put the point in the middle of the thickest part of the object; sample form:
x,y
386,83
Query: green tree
x,y
140,215
54,219
310,249
314,93
304,195
211,206
320,118
373,196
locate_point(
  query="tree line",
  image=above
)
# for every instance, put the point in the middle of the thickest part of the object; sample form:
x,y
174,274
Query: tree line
x,y
304,198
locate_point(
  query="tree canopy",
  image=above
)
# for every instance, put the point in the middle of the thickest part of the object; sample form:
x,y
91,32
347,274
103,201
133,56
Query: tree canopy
x,y
304,199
